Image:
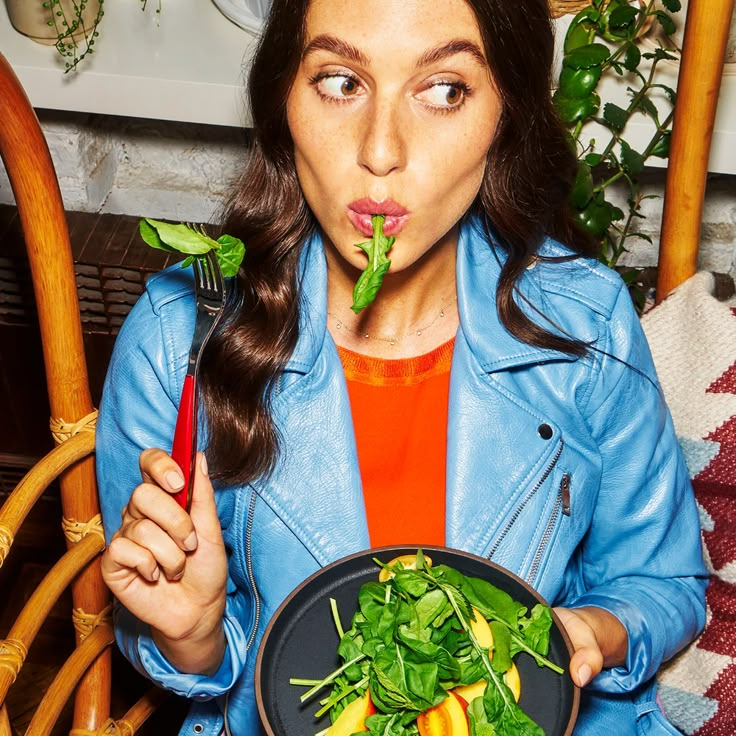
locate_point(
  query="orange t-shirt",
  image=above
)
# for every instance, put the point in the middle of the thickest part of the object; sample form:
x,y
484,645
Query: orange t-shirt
x,y
399,412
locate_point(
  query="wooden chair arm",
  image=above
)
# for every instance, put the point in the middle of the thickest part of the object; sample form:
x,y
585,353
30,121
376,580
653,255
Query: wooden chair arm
x,y
67,678
26,626
29,490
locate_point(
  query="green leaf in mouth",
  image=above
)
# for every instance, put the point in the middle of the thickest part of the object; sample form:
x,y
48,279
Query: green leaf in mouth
x,y
370,280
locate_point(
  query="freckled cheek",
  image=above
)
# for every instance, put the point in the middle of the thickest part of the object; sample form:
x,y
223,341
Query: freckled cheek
x,y
319,153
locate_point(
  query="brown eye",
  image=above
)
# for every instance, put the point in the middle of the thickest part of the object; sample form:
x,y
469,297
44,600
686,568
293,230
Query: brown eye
x,y
444,95
338,86
349,87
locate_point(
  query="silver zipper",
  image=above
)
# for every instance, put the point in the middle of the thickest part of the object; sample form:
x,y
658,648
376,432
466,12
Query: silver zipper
x,y
562,504
256,597
525,501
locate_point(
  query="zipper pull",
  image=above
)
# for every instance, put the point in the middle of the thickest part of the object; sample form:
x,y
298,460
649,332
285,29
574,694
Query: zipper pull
x,y
565,493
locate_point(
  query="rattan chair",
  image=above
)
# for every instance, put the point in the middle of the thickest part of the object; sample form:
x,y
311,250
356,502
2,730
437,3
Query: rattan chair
x,y
87,672
88,669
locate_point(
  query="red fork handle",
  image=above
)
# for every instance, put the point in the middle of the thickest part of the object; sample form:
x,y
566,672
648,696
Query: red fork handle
x,y
182,449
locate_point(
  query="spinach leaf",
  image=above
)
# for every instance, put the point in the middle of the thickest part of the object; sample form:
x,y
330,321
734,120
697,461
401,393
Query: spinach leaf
x,y
493,602
369,282
501,647
505,714
193,242
478,719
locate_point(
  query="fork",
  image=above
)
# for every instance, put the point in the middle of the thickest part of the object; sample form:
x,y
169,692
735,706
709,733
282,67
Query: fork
x,y
209,291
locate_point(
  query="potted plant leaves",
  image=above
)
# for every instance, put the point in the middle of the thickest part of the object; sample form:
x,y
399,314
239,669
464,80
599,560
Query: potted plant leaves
x,y
603,39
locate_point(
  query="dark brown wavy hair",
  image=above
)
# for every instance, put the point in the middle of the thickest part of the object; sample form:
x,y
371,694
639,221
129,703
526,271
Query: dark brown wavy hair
x,y
523,198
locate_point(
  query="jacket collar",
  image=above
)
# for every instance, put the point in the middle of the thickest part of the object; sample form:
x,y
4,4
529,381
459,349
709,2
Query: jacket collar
x,y
478,269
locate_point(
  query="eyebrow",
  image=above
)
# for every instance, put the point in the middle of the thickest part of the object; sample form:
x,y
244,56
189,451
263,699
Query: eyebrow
x,y
451,48
326,42
335,45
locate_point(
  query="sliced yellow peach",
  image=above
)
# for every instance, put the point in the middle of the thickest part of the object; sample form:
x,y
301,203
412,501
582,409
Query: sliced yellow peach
x,y
352,718
408,561
512,679
481,629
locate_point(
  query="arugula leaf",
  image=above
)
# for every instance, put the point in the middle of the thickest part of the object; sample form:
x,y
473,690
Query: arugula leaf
x,y
370,280
536,627
194,243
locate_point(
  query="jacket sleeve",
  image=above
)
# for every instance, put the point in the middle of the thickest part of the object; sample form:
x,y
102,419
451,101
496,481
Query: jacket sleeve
x,y
642,557
138,411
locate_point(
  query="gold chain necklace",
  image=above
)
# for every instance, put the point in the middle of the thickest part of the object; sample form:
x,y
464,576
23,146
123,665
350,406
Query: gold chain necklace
x,y
416,332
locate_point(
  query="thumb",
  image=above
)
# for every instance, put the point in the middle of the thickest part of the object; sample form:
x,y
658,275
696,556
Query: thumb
x,y
203,509
587,661
585,664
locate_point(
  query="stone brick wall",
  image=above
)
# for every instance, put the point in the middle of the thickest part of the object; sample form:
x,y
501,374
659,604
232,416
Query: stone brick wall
x,y
181,171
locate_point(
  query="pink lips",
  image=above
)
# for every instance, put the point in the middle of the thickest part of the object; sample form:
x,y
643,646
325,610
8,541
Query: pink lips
x,y
360,211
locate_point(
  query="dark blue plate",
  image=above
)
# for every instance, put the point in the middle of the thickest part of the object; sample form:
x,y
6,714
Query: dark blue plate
x,y
301,641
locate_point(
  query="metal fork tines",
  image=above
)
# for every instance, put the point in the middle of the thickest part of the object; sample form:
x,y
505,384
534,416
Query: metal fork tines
x,y
209,289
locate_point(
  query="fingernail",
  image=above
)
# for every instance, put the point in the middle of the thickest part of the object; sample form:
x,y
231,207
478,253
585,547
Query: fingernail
x,y
190,543
203,464
156,574
585,674
178,576
175,480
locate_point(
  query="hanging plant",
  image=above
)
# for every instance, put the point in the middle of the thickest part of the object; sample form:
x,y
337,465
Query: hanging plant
x,y
602,40
76,23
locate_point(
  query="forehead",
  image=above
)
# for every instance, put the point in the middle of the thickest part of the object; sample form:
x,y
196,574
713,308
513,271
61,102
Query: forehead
x,y
393,26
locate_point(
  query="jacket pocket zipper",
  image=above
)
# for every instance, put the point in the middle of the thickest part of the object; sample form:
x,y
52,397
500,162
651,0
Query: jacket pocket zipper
x,y
525,500
562,505
256,597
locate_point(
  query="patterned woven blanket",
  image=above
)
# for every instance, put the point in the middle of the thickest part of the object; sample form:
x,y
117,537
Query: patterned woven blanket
x,y
693,341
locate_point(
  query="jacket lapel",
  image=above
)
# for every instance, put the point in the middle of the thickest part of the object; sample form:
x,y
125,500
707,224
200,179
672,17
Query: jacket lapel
x,y
494,447
315,488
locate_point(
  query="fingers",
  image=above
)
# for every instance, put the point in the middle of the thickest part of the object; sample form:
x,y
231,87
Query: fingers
x,y
123,555
157,545
161,469
150,503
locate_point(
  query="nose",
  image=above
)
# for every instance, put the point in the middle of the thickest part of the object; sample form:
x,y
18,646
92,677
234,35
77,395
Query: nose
x,y
382,148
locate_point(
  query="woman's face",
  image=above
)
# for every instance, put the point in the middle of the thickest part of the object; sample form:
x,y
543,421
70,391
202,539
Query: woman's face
x,y
392,112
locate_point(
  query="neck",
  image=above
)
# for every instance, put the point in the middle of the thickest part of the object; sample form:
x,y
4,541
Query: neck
x,y
414,312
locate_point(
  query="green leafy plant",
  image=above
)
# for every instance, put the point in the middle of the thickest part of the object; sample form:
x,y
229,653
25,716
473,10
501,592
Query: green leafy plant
x,y
76,29
602,40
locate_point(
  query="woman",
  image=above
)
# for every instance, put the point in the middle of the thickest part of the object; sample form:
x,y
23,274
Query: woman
x,y
503,376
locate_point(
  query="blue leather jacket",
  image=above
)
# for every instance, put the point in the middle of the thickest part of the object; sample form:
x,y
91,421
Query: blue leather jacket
x,y
598,511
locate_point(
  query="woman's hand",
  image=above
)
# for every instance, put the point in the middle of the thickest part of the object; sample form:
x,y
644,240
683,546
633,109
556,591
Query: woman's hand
x,y
598,638
169,568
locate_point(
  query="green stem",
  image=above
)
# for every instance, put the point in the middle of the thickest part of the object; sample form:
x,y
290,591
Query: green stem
x,y
336,618
333,700
332,676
